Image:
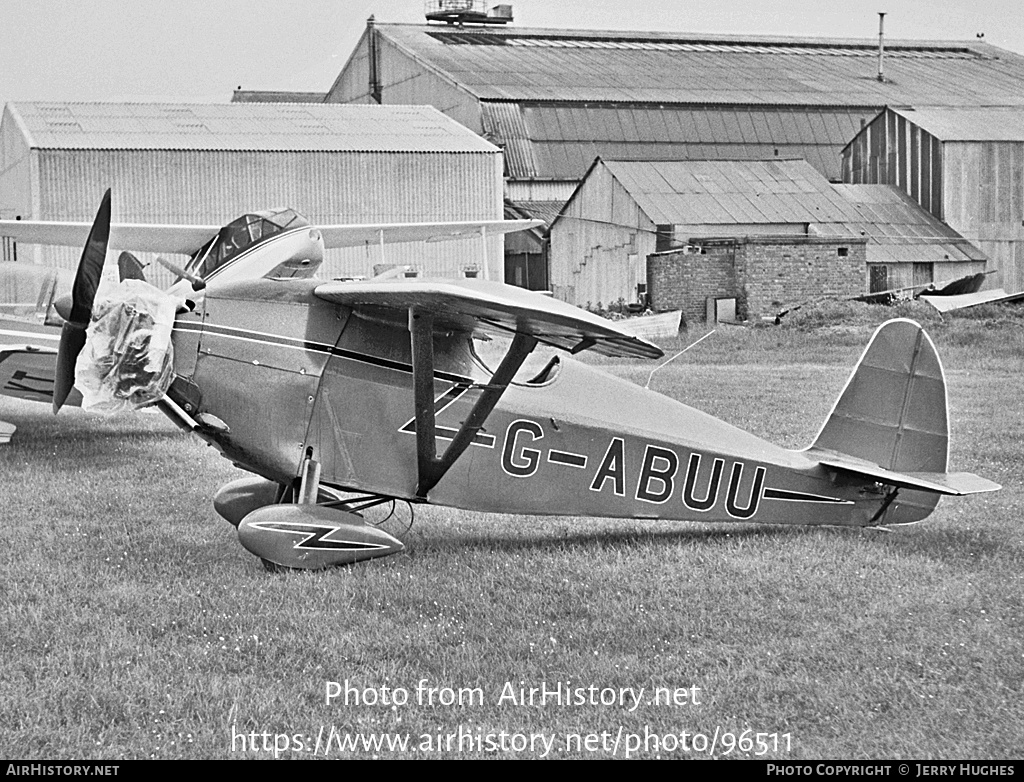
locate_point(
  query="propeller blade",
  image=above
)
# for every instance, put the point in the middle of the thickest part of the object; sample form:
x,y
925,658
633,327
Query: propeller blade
x,y
129,267
83,294
198,283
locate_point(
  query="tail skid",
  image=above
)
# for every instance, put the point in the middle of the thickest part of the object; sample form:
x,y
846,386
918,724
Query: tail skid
x,y
890,425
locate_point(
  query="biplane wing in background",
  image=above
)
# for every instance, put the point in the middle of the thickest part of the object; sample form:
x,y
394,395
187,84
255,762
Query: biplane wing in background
x,y
29,332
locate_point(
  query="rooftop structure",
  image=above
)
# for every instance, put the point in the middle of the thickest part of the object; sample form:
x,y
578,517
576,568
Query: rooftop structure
x,y
965,165
624,211
207,164
556,99
266,127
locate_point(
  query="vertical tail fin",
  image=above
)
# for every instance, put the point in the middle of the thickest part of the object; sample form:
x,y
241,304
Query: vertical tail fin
x,y
892,413
893,410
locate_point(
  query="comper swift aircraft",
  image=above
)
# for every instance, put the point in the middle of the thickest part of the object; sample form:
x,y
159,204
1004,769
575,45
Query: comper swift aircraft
x,y
339,395
276,243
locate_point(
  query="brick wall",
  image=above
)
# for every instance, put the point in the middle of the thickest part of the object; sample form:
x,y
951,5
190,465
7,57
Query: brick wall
x,y
764,274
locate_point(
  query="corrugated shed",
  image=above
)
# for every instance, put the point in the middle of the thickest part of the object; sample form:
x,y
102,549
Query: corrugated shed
x,y
236,127
423,167
504,123
534,210
898,230
583,65
751,193
560,142
982,123
965,166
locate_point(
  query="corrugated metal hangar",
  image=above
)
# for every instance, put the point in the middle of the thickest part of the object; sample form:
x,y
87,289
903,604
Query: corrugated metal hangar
x,y
554,100
202,163
625,211
965,165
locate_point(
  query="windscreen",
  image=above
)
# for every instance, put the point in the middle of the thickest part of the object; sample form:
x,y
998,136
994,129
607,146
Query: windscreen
x,y
28,291
240,235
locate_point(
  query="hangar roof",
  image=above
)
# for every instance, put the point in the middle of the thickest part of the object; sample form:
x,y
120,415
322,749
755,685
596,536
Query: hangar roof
x,y
720,193
276,96
969,123
262,127
537,64
561,141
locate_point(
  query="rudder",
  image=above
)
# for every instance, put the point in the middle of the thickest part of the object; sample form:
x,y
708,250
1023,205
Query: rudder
x,y
893,412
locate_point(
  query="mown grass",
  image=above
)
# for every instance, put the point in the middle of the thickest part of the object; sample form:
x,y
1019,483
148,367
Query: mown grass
x,y
133,625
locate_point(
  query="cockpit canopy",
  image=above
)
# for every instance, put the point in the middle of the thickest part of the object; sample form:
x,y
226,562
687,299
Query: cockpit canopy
x,y
239,235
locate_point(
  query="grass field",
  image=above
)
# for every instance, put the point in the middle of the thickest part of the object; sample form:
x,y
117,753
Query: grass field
x,y
133,625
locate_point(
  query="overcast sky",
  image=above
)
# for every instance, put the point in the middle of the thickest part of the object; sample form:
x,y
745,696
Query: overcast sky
x,y
200,50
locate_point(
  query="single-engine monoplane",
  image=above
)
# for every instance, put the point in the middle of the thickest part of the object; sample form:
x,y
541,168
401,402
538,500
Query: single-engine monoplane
x,y
339,395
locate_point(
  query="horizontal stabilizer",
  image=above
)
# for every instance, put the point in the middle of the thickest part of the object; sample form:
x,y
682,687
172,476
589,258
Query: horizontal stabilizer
x,y
488,308
951,483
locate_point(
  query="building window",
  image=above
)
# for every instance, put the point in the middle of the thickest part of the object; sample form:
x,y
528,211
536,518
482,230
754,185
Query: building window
x,y
663,238
878,278
924,274
842,252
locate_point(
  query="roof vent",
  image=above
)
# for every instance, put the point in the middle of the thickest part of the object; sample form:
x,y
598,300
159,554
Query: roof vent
x,y
881,45
461,12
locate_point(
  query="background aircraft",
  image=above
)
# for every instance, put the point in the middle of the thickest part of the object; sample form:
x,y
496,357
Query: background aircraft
x,y
277,243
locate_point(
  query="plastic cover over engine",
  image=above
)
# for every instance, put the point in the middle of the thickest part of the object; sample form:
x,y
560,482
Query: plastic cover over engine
x,y
128,360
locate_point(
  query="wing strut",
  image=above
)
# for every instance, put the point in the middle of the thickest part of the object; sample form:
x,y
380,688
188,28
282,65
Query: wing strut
x,y
431,468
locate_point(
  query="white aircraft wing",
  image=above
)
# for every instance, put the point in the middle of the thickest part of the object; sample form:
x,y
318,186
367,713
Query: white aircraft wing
x,y
138,237
389,233
186,239
490,308
964,300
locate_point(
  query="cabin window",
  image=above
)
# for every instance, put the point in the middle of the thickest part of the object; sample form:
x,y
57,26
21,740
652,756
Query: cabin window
x,y
239,235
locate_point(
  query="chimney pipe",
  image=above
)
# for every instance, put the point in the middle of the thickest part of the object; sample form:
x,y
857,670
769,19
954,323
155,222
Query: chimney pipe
x,y
881,45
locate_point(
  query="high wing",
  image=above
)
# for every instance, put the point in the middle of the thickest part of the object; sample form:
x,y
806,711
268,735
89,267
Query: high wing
x,y
387,233
138,237
486,308
186,239
477,307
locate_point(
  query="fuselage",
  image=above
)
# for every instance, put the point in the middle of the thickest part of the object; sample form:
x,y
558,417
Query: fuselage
x,y
287,372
